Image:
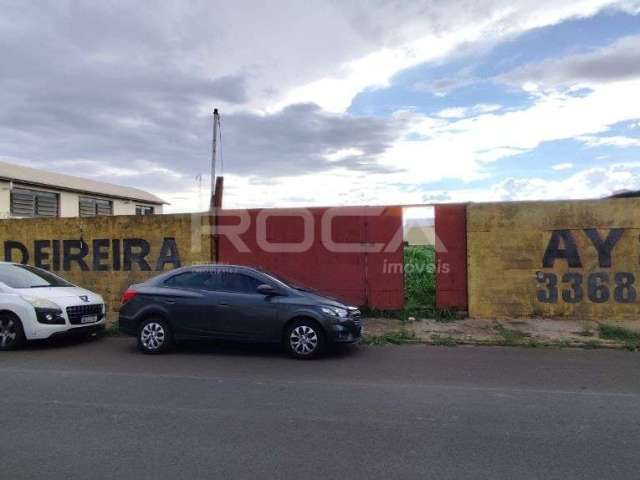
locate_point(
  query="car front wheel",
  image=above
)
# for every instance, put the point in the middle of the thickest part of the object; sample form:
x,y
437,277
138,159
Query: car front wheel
x,y
154,336
11,332
305,339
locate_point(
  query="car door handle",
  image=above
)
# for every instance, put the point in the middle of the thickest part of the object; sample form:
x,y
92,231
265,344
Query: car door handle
x,y
223,304
170,302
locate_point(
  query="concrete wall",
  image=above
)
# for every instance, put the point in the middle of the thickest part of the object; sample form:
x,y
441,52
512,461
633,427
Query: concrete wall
x,y
101,253
575,259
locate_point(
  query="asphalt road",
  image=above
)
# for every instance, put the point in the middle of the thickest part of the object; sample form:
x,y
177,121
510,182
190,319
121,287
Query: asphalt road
x,y
101,410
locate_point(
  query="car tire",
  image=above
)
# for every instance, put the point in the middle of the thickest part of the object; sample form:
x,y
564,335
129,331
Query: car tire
x,y
305,339
11,332
154,336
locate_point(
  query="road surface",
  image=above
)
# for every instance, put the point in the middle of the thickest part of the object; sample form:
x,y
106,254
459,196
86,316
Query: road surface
x,y
102,410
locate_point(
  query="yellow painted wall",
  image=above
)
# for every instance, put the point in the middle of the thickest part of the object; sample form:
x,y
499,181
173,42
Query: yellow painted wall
x,y
191,239
507,244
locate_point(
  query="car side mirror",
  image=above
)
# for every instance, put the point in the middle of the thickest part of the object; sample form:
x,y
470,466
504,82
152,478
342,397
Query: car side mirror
x,y
265,289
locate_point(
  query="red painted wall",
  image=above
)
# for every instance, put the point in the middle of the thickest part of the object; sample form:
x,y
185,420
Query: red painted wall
x,y
368,279
451,254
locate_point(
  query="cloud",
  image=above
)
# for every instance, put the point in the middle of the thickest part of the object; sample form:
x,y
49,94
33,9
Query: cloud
x,y
125,91
453,112
595,182
590,183
610,141
447,28
617,62
461,148
303,139
462,112
562,166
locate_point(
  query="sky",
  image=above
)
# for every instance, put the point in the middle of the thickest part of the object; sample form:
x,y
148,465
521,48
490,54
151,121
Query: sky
x,y
327,102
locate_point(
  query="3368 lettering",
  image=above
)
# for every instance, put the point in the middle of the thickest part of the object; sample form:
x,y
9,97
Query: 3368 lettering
x,y
598,287
574,287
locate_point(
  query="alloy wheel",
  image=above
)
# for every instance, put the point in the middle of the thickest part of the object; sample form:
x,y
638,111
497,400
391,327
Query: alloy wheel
x,y
303,340
152,336
8,332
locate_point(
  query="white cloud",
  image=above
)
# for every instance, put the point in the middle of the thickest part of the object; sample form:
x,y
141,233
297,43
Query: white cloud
x,y
458,26
460,148
454,112
562,166
344,153
486,107
612,141
462,112
589,183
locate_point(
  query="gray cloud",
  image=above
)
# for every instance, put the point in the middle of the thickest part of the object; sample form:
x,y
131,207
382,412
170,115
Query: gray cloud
x,y
618,61
128,84
104,84
295,141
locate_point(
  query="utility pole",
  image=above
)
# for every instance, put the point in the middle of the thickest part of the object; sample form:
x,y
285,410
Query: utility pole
x,y
216,121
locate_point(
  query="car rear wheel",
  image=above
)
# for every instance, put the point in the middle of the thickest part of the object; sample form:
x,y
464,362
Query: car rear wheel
x,y
154,336
305,339
11,332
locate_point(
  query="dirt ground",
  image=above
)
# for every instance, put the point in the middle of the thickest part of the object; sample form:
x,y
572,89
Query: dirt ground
x,y
531,332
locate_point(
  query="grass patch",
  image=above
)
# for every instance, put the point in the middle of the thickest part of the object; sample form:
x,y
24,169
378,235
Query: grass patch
x,y
629,338
586,332
420,268
420,276
443,341
398,337
510,337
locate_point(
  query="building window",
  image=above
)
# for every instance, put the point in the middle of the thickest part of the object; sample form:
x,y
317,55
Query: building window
x,y
92,207
142,210
33,203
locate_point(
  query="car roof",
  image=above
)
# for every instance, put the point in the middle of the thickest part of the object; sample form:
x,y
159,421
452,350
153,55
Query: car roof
x,y
221,266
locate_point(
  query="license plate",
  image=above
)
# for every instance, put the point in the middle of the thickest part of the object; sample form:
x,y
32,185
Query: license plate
x,y
89,319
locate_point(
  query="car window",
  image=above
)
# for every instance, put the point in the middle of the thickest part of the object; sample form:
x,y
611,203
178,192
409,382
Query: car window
x,y
25,276
194,280
239,283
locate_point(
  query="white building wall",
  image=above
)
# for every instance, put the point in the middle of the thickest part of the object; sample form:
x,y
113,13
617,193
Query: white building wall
x,y
5,199
128,207
124,207
69,204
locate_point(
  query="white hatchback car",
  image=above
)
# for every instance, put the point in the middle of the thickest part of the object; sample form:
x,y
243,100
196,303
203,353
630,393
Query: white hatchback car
x,y
37,304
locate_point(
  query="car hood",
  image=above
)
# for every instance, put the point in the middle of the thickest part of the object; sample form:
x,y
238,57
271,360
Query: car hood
x,y
322,299
52,293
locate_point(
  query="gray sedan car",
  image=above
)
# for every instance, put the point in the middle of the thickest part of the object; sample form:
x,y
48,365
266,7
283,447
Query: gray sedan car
x,y
235,303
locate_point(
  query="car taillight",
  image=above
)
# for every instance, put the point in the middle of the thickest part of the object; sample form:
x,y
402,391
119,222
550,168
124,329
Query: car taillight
x,y
128,295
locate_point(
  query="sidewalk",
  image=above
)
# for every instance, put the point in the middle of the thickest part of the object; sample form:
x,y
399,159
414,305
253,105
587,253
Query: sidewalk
x,y
530,332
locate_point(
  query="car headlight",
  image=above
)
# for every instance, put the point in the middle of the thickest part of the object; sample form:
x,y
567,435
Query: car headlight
x,y
336,312
38,302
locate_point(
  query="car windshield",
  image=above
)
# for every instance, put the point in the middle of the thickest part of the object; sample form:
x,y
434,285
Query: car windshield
x,y
284,282
24,276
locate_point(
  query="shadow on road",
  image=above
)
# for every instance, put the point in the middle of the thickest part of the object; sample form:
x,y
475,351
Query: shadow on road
x,y
185,349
